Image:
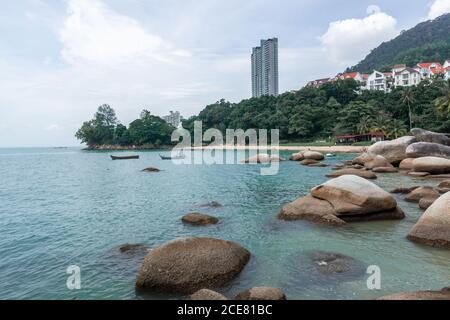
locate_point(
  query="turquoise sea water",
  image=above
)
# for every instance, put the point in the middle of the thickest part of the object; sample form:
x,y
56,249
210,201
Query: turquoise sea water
x,y
63,207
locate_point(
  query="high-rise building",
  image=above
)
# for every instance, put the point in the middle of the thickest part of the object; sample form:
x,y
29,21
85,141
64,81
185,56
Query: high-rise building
x,y
265,68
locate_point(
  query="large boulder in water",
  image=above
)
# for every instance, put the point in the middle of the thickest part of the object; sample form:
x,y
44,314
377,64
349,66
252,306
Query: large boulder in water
x,y
262,293
429,136
348,198
433,165
443,294
297,156
363,158
353,195
433,227
394,151
357,172
190,264
427,149
310,209
313,155
406,164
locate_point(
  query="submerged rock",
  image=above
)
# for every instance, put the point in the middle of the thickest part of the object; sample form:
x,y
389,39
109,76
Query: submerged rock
x,y
132,248
427,149
433,165
151,169
404,190
207,295
429,136
418,174
308,162
212,204
261,293
443,294
444,184
357,172
433,227
393,151
190,264
422,192
199,219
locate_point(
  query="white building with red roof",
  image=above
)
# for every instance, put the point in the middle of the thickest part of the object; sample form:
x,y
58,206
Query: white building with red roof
x,y
429,70
379,81
447,73
447,64
406,77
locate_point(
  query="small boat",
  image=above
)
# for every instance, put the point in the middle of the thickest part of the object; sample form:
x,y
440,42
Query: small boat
x,y
124,157
330,155
177,157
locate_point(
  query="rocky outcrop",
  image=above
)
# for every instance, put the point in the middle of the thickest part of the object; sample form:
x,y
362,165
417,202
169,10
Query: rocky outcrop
x,y
429,136
406,164
263,158
261,293
190,264
207,295
433,227
308,162
432,165
427,149
199,219
348,198
444,184
443,294
393,151
362,159
357,172
377,162
422,192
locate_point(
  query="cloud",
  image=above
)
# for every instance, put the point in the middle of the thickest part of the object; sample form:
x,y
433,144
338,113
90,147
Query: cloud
x,y
93,32
348,41
438,8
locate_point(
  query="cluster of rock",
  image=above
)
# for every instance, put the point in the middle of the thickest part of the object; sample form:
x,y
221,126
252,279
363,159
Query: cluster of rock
x,y
309,158
422,154
348,198
443,294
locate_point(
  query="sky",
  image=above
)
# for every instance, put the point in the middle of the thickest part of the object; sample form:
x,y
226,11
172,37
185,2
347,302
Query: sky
x,y
61,59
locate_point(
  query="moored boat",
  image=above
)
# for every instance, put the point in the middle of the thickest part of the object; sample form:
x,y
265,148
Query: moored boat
x,y
124,157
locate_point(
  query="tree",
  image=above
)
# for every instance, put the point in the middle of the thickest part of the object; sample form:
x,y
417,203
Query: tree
x,y
365,125
408,99
396,128
443,102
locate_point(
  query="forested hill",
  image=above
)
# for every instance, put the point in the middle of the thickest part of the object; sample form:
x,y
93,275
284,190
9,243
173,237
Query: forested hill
x,y
428,41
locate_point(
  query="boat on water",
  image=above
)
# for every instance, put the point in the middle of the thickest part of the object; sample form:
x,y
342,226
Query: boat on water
x,y
124,157
179,156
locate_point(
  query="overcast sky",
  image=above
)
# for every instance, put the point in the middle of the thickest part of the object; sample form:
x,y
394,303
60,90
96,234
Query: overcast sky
x,y
60,60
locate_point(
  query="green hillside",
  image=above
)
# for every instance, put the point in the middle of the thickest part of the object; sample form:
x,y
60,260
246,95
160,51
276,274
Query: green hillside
x,y
428,41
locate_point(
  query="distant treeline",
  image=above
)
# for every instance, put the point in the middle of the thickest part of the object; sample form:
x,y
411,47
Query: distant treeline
x,y
148,131
335,108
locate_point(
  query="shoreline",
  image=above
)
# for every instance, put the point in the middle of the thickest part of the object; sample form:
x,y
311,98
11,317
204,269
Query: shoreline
x,y
323,149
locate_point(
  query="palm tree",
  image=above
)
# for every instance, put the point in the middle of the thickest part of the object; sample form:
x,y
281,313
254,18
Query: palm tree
x,y
364,126
408,99
379,125
443,103
396,128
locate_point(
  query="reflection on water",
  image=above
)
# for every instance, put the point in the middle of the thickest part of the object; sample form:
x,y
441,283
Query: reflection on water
x,y
69,207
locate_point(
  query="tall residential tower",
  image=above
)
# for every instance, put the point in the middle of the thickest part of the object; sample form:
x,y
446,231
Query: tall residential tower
x,y
265,68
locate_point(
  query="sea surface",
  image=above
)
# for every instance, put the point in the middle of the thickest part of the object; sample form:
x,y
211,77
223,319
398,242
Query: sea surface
x,y
65,207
